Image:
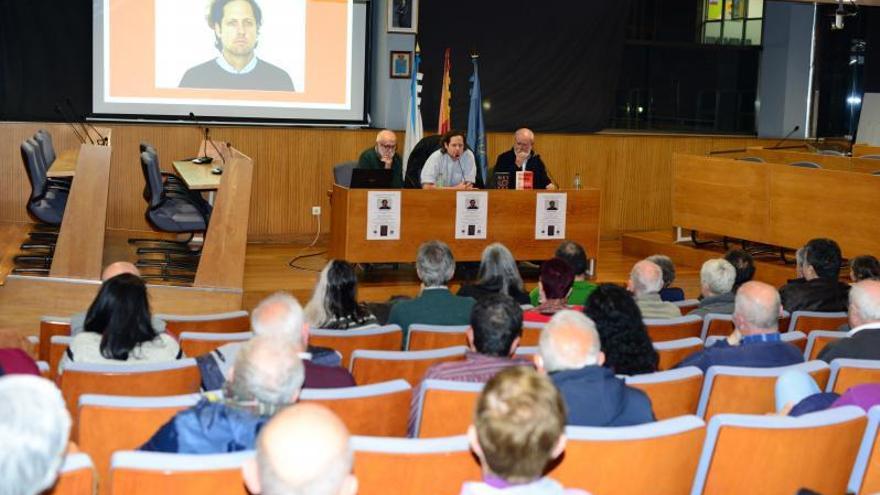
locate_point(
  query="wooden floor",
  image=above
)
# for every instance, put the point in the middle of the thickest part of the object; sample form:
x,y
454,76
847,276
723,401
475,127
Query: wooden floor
x,y
294,267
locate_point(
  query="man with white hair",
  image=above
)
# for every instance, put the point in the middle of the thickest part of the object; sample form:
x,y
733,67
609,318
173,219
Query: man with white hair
x,y
268,376
863,341
756,342
522,158
436,305
384,155
34,432
717,277
645,282
570,352
303,449
282,316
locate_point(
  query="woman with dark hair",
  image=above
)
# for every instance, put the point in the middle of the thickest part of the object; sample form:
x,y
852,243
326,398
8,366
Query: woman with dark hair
x,y
625,341
334,303
118,329
744,264
865,267
498,275
554,285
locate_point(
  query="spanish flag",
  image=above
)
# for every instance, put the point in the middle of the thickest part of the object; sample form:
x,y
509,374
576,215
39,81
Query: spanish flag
x,y
443,124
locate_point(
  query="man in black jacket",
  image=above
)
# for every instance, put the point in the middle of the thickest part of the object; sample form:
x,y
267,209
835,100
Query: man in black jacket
x,y
569,351
863,341
820,289
523,158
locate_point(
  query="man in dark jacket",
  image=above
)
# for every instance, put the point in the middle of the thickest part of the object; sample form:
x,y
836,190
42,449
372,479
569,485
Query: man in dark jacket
x,y
569,351
863,341
756,341
522,158
820,289
268,376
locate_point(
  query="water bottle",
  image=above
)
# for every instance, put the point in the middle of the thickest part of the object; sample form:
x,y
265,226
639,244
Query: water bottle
x,y
577,181
441,180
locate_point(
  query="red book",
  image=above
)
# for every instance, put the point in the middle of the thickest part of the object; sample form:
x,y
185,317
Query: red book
x,y
524,180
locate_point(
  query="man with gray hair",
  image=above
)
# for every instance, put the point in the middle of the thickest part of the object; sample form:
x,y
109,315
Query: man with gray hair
x,y
304,449
384,156
863,341
436,305
570,352
645,282
717,277
755,342
278,315
268,376
34,432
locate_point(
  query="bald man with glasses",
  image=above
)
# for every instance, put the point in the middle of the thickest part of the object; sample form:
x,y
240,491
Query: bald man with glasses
x,y
384,155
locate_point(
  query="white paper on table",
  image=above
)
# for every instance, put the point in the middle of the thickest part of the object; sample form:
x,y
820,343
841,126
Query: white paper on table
x,y
471,214
383,215
550,215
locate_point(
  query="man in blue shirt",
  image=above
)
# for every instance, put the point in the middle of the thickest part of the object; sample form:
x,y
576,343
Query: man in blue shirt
x,y
756,342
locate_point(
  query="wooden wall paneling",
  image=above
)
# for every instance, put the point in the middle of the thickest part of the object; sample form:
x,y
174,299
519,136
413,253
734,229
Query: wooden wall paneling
x,y
865,149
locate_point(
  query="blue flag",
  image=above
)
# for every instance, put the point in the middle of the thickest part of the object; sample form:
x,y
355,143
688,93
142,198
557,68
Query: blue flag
x,y
476,133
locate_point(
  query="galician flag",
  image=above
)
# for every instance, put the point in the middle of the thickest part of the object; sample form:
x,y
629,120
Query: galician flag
x,y
414,129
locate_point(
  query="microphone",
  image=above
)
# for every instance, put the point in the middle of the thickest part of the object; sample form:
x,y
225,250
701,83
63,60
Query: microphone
x,y
204,158
59,111
776,146
102,140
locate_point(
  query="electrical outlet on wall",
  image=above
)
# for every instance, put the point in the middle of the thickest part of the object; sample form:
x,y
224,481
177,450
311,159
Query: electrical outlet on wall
x,y
316,210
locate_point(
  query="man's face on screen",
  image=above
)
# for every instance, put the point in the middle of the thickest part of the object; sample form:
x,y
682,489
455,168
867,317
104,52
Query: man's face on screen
x,y
238,29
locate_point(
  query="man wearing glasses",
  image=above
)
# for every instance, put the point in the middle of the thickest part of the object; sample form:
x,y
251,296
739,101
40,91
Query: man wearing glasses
x,y
384,155
523,158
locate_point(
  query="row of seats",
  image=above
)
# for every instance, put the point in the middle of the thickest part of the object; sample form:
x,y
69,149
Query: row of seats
x,y
754,453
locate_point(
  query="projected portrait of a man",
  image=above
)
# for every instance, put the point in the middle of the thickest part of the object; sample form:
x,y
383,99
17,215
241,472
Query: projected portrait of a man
x,y
236,25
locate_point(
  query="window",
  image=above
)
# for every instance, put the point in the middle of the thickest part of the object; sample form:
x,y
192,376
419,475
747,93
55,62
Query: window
x,y
732,22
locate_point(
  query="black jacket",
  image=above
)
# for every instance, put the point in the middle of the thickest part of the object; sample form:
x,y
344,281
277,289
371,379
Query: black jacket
x,y
864,344
506,162
819,294
595,397
478,291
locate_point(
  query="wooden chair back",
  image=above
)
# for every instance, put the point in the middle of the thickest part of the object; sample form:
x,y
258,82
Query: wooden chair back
x,y
716,324
865,478
230,322
531,333
77,476
198,343
397,466
426,337
109,423
687,305
381,366
380,409
673,352
772,454
808,321
846,373
673,393
445,407
148,473
58,345
51,326
387,338
733,389
818,339
674,328
601,460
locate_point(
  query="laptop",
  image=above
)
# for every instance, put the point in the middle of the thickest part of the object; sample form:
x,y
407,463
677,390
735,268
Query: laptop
x,y
370,178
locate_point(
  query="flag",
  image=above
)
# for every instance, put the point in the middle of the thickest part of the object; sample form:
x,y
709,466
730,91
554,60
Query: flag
x,y
443,124
413,112
476,133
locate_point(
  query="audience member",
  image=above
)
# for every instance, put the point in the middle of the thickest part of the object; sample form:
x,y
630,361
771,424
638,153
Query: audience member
x,y
519,428
554,287
278,315
865,267
667,293
33,432
78,320
14,361
268,375
569,351
625,342
522,158
744,264
799,264
863,341
118,328
384,155
755,342
305,450
797,394
821,289
493,337
717,277
334,303
498,275
576,256
452,166
435,305
645,282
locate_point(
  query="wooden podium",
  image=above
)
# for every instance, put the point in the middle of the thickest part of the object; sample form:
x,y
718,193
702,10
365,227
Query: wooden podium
x,y
430,214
